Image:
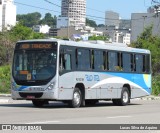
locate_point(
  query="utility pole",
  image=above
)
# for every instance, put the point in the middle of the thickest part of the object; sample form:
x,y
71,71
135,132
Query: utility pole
x,y
144,18
69,2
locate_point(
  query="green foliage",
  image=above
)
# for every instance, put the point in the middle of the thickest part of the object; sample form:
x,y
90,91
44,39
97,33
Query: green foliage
x,y
101,25
2,54
156,85
21,32
8,40
104,38
147,41
90,23
29,19
49,20
5,75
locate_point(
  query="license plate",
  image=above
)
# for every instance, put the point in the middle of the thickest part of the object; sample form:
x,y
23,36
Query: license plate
x,y
30,97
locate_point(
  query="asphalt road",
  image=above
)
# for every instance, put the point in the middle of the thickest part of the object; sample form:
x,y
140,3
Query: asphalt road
x,y
138,112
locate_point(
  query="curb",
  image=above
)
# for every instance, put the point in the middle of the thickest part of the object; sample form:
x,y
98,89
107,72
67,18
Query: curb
x,y
151,98
5,95
4,100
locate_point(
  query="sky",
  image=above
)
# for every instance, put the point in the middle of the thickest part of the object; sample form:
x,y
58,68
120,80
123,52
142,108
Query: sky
x,y
95,8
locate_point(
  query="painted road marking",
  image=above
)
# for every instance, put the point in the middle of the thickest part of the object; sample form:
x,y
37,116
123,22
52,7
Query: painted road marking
x,y
42,122
114,117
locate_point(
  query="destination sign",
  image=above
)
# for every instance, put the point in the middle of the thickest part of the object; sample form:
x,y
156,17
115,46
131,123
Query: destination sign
x,y
37,45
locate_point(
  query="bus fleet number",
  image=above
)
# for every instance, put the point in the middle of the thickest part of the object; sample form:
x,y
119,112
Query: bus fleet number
x,y
92,77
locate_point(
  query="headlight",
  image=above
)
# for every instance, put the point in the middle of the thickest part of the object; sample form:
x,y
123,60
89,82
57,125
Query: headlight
x,y
51,86
13,86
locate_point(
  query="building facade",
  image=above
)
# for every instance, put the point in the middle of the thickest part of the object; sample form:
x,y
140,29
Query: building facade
x,y
41,29
111,18
74,9
65,22
7,14
140,21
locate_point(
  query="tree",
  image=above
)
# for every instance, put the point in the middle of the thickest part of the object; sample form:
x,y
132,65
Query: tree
x,y
49,20
101,25
147,41
20,32
104,38
90,23
29,19
8,40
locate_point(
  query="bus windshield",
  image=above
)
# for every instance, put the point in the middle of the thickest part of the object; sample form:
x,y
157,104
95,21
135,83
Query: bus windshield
x,y
34,66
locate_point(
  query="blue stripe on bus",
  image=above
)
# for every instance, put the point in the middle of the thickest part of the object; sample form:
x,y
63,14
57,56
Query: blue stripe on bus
x,y
22,88
143,80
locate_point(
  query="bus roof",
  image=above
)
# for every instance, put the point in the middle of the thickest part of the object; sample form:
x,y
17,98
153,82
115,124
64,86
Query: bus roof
x,y
92,44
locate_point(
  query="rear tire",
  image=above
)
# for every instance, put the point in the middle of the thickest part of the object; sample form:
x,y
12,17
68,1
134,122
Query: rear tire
x,y
77,99
125,98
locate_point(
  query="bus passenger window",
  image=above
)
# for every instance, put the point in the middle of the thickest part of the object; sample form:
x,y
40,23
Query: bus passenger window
x,y
139,63
112,60
126,62
83,59
65,62
98,60
146,63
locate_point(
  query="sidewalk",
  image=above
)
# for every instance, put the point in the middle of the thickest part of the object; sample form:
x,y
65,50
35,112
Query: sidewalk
x,y
151,97
5,98
5,95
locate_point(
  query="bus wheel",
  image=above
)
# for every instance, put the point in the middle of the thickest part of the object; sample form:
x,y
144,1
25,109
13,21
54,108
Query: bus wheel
x,y
125,98
77,99
38,103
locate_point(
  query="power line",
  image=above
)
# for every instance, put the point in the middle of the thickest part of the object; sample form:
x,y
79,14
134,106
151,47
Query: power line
x,y
52,3
155,1
36,7
61,6
91,16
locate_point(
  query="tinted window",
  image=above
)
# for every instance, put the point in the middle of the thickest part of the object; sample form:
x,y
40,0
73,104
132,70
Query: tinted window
x,y
65,62
98,60
146,63
112,61
139,63
83,59
126,62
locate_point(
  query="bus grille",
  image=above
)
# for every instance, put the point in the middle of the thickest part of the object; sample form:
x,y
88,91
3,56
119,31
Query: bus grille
x,y
36,95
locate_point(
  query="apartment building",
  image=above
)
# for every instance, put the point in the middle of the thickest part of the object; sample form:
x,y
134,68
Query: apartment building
x,y
76,10
7,14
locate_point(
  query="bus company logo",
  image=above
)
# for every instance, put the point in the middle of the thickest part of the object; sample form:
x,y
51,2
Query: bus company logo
x,y
6,127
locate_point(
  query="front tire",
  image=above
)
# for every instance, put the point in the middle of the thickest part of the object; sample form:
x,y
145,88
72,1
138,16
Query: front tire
x,y
38,103
77,99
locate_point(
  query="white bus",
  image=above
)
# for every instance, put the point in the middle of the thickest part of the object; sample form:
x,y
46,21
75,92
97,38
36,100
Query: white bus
x,y
79,73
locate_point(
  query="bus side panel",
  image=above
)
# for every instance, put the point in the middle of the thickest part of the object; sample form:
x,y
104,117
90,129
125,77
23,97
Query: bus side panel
x,y
143,87
92,93
66,86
